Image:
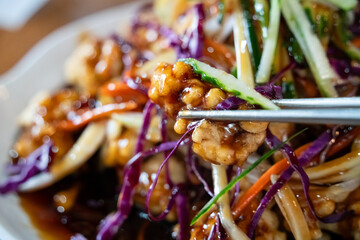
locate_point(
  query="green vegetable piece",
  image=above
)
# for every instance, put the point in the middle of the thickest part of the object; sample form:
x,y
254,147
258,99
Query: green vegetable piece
x,y
311,46
288,90
252,39
231,184
262,12
344,4
229,83
295,50
221,14
267,58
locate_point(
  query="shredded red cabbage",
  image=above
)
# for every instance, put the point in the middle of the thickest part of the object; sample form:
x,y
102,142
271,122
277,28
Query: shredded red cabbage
x,y
153,184
152,151
230,103
273,141
280,74
132,83
216,231
38,161
219,231
191,43
315,148
194,37
111,224
334,134
270,91
182,209
212,233
163,131
341,63
194,166
237,187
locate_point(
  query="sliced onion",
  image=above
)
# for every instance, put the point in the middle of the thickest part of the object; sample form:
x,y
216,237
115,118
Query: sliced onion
x,y
342,176
226,218
342,164
131,120
148,68
292,212
87,144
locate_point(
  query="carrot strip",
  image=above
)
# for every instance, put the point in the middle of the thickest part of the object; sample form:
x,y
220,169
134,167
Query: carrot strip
x,y
356,42
263,181
219,52
95,114
126,93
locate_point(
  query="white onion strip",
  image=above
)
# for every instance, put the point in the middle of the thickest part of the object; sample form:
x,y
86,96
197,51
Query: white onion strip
x,y
226,218
292,212
342,164
87,144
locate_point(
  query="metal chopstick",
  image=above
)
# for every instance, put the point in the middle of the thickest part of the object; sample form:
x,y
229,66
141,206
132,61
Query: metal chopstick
x,y
344,116
344,102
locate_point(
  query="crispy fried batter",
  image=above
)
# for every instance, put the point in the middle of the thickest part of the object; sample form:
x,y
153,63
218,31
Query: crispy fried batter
x,y
93,63
176,87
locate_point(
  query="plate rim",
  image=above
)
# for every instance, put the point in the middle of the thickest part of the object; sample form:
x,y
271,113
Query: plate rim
x,y
16,74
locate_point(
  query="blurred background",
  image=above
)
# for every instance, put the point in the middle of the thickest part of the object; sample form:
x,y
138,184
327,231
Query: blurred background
x,y
24,22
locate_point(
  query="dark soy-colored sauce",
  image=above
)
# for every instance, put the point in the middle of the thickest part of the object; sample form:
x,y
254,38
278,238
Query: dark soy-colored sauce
x,y
97,197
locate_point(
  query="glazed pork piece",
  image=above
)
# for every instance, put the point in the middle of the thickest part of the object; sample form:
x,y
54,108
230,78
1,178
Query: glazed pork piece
x,y
177,87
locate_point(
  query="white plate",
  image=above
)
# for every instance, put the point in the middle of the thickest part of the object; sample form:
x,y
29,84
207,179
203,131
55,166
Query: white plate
x,y
42,69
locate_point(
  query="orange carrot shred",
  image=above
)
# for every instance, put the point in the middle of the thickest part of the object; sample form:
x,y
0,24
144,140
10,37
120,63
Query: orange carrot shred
x,y
263,181
95,114
356,42
219,53
121,89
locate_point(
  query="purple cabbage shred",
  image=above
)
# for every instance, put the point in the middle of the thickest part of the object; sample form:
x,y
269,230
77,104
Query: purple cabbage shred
x,y
270,91
194,167
191,43
315,148
37,162
182,209
110,226
153,184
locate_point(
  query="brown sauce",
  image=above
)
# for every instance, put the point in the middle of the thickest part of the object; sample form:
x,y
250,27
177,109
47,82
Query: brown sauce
x,y
96,197
43,216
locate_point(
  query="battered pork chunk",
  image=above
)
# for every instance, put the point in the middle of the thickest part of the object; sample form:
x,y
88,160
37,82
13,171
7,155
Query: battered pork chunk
x,y
177,87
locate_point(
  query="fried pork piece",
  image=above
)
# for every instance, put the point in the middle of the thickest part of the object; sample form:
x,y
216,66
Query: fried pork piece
x,y
176,87
93,63
39,122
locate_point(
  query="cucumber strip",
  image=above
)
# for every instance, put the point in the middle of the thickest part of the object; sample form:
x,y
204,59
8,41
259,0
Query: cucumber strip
x,y
262,11
344,4
243,61
250,33
229,83
268,54
310,44
221,14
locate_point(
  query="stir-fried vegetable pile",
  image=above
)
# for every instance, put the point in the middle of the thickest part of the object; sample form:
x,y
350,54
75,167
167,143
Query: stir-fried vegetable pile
x,y
202,179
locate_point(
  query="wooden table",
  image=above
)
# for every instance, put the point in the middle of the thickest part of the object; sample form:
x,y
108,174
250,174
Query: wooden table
x,y
56,13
